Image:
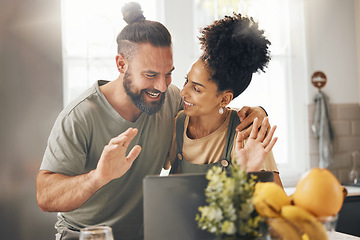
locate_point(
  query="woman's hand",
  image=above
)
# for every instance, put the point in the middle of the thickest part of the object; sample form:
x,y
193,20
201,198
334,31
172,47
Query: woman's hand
x,y
252,155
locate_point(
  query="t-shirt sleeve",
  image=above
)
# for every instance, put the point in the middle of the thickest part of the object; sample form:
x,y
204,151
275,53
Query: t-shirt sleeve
x,y
66,149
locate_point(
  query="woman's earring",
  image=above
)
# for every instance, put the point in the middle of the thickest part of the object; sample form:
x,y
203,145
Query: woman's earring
x,y
221,110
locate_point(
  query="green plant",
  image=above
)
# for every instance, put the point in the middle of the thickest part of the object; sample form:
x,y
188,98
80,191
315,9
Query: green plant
x,y
229,212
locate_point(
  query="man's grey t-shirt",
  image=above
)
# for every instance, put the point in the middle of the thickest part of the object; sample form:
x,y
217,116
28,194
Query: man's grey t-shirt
x,y
76,142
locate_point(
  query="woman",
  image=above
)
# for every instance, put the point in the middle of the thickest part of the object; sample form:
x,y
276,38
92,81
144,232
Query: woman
x,y
233,49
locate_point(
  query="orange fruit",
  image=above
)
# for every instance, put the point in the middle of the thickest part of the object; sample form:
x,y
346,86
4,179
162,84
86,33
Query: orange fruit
x,y
319,192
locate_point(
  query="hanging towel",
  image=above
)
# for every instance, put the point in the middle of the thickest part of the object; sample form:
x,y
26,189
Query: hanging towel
x,y
322,130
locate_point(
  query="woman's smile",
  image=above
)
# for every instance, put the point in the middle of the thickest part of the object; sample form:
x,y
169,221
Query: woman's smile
x,y
188,104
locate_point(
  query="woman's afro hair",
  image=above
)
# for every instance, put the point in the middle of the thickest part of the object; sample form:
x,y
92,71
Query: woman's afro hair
x,y
234,48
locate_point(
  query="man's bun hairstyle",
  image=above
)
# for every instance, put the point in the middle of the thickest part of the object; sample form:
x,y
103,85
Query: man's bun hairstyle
x,y
234,48
139,30
132,12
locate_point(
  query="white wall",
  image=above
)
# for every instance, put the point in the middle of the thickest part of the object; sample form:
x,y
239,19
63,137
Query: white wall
x,y
357,27
332,48
179,20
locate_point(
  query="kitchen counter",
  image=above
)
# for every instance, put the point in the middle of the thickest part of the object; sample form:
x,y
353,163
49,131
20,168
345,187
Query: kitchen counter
x,y
352,190
341,236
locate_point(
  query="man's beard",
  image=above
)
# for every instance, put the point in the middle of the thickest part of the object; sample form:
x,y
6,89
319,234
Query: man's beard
x,y
138,98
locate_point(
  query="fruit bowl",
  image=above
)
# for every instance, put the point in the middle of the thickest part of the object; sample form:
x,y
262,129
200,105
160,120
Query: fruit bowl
x,y
283,229
279,229
301,216
329,222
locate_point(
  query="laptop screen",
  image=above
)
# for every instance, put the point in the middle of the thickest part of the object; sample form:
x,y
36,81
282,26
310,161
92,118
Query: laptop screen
x,y
171,204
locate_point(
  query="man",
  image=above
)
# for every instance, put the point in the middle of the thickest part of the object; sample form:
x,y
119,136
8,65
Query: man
x,y
104,143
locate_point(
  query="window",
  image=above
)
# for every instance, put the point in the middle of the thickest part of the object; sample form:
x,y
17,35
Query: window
x,y
90,28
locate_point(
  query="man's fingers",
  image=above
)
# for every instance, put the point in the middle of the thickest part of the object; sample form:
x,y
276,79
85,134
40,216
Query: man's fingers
x,y
247,115
134,153
243,112
108,149
245,123
119,140
124,138
246,132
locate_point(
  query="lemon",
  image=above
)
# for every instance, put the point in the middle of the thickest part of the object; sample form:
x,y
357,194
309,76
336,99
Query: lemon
x,y
268,199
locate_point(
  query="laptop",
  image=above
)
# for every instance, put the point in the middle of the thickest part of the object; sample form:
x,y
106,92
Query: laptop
x,y
171,204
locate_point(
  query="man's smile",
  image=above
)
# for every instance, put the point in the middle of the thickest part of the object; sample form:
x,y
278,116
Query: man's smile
x,y
153,94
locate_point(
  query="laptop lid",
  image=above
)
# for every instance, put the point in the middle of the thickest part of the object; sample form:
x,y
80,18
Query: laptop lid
x,y
171,204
